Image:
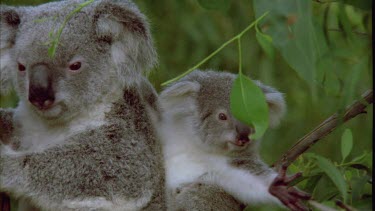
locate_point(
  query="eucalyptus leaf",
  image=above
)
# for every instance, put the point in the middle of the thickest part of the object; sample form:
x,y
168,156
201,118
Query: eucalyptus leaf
x,y
52,49
344,22
351,81
248,104
294,34
361,4
358,184
325,189
334,174
365,158
332,84
265,42
346,143
311,183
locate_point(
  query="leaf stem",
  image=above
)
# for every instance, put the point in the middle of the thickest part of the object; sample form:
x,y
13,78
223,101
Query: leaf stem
x,y
239,56
238,36
69,16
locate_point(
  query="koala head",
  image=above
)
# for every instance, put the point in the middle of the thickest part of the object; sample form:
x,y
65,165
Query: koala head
x,y
210,117
102,48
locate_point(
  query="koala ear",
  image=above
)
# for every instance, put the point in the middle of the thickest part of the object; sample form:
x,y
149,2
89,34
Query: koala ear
x,y
180,89
276,103
125,27
179,99
9,20
277,107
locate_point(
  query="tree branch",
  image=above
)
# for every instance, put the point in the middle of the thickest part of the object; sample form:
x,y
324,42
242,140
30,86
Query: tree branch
x,y
324,129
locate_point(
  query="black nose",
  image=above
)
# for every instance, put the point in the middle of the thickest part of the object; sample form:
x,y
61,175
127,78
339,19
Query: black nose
x,y
42,98
41,93
243,132
243,138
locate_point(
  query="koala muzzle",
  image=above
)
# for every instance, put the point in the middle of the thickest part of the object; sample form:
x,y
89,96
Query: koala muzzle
x,y
41,93
243,132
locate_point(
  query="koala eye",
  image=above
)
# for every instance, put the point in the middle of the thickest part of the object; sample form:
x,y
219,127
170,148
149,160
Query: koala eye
x,y
75,66
21,67
222,116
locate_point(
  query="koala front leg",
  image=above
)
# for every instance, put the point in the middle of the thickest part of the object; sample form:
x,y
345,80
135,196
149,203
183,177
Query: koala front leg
x,y
242,185
198,197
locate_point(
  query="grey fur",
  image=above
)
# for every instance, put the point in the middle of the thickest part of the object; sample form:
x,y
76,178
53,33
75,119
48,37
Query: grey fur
x,y
202,197
6,125
103,153
192,103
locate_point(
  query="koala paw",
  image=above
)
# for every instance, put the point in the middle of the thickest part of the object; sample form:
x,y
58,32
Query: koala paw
x,y
289,196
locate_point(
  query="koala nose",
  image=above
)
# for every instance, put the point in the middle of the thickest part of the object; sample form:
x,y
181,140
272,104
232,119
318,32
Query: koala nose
x,y
40,97
41,93
243,132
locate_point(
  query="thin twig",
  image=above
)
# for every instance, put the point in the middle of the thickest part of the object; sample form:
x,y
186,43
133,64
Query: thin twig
x,y
324,129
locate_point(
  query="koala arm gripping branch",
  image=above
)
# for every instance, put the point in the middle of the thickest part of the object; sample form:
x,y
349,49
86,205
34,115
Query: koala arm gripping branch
x,y
242,185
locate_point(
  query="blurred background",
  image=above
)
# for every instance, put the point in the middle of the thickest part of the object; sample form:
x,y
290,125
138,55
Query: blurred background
x,y
340,56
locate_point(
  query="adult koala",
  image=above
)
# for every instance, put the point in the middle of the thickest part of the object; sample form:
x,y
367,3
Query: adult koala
x,y
81,136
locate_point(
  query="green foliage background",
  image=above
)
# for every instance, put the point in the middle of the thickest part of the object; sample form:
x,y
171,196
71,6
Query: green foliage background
x,y
336,70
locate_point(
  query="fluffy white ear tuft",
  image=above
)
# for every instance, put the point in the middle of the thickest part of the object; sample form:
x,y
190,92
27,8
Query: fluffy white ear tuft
x,y
126,29
277,107
179,99
180,89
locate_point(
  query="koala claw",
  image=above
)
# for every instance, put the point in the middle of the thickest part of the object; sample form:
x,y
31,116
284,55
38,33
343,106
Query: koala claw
x,y
289,196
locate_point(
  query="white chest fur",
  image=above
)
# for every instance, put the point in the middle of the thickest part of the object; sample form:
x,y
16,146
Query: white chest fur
x,y
186,163
35,136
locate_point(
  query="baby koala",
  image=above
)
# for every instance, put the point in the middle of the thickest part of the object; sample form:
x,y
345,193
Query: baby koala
x,y
204,144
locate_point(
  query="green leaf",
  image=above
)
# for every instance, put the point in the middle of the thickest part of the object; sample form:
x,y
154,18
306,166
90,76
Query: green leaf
x,y
365,158
215,4
248,104
352,81
332,84
294,34
265,41
311,183
52,49
325,189
364,204
334,174
346,143
358,184
361,4
344,22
